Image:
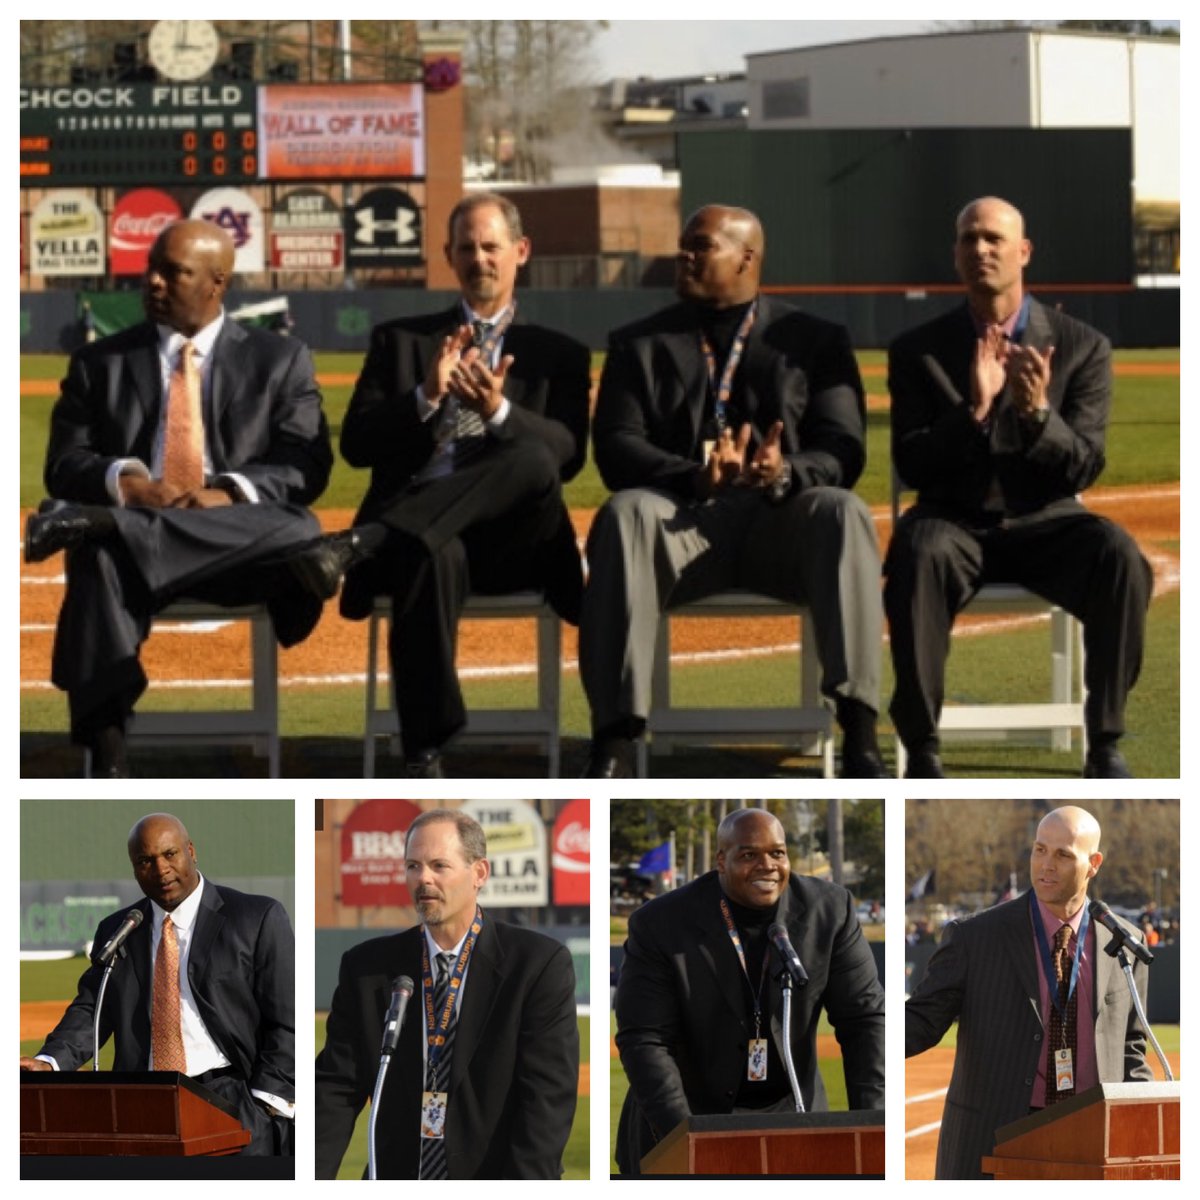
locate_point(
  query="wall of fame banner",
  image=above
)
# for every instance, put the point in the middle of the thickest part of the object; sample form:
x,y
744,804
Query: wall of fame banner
x,y
345,131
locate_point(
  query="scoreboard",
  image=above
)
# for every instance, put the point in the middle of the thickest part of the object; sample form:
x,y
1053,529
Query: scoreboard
x,y
139,134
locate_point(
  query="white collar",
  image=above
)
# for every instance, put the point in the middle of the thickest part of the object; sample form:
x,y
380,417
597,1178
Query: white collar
x,y
169,340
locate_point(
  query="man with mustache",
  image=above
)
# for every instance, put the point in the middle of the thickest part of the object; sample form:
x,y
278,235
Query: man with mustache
x,y
181,454
207,989
999,413
470,421
731,428
994,973
699,1002
496,1000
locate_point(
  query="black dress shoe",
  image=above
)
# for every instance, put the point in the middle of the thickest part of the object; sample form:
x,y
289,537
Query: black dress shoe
x,y
924,764
611,759
425,765
114,771
862,764
63,528
320,566
1106,762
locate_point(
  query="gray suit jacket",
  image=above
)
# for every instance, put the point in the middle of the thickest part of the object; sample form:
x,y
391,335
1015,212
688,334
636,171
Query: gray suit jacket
x,y
682,1026
262,416
984,975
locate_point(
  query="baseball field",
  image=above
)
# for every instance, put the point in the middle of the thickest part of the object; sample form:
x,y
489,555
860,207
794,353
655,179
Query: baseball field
x,y
719,661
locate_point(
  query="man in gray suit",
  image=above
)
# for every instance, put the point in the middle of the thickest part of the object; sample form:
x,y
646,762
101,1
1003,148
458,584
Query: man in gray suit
x,y
732,428
990,974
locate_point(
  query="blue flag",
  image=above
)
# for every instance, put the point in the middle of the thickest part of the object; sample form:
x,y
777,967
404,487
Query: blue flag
x,y
656,861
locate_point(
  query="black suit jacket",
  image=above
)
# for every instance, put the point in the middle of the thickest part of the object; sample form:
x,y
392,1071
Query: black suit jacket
x,y
938,447
262,415
241,969
795,368
682,1023
984,974
547,385
515,1068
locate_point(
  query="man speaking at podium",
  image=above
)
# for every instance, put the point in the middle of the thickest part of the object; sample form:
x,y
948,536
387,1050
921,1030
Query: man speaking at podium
x,y
1021,1045
493,1097
699,1003
209,989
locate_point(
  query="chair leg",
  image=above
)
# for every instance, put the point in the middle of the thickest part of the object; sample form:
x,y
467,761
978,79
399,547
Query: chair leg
x,y
369,721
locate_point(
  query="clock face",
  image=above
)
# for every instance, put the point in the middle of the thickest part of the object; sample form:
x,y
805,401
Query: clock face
x,y
183,49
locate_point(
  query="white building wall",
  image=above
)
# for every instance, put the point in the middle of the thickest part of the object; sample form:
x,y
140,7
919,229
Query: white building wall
x,y
1003,78
1158,130
947,80
1083,81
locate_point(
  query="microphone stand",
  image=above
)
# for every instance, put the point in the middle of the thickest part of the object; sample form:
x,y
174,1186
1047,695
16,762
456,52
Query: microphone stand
x,y
108,970
385,1061
1116,949
785,982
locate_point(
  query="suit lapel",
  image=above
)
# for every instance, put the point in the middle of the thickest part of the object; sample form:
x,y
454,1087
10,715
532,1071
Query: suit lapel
x,y
145,373
226,383
1016,945
516,341
716,949
791,915
1038,332
686,357
485,974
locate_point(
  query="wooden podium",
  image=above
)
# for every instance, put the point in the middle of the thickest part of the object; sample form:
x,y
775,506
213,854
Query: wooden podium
x,y
1111,1131
821,1145
152,1113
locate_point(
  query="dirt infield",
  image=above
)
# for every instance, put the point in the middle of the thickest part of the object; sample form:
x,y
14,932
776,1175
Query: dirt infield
x,y
926,1078
336,652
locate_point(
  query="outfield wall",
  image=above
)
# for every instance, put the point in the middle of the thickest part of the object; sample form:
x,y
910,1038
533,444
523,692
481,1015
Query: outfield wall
x,y
343,320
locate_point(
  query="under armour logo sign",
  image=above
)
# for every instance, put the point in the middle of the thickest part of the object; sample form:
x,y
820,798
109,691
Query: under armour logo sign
x,y
401,225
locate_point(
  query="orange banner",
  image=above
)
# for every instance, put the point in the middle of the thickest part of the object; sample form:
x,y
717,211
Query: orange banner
x,y
343,131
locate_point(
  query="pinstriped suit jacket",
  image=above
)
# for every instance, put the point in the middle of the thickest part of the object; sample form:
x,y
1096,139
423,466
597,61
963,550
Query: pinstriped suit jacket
x,y
984,975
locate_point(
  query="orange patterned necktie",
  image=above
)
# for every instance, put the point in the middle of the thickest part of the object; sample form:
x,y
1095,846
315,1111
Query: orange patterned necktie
x,y
183,444
166,1036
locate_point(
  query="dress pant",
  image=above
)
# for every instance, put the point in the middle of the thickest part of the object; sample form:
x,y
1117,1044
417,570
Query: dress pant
x,y
649,552
497,524
115,584
1074,558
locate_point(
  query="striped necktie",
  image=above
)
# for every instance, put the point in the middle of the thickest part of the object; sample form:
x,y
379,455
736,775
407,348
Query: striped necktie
x,y
433,1150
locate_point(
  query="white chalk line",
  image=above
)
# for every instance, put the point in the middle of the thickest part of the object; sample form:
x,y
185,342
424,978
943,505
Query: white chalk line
x,y
922,1129
1166,572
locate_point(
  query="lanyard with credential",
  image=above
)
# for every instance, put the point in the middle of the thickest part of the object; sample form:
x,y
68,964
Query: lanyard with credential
x,y
756,996
436,1024
1047,958
720,389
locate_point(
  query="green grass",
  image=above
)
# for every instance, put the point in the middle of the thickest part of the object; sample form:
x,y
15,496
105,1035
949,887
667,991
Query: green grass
x,y
830,1068
1013,665
575,1157
55,979
1143,442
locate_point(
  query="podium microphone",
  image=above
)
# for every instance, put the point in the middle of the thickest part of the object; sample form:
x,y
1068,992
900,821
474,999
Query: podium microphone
x,y
793,973
133,918
107,958
1104,916
1121,941
787,953
402,990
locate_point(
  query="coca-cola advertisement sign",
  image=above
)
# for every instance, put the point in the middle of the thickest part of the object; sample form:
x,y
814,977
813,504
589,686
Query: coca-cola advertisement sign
x,y
138,218
372,853
571,855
